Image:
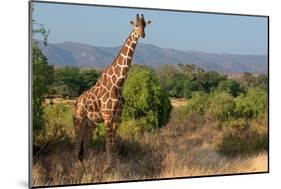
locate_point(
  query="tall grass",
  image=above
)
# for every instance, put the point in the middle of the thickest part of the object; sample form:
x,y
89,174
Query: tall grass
x,y
186,147
58,120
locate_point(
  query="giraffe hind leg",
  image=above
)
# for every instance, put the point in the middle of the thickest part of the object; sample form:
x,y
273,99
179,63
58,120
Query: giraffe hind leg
x,y
79,126
81,151
89,126
110,144
84,137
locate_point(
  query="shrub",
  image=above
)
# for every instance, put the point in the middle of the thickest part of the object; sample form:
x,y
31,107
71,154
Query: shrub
x,y
69,76
222,106
262,82
198,103
58,120
71,81
62,90
230,86
178,85
253,104
145,100
243,137
131,128
42,77
217,106
212,81
89,79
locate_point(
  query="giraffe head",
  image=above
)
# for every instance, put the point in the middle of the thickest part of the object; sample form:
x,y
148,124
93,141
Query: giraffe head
x,y
139,25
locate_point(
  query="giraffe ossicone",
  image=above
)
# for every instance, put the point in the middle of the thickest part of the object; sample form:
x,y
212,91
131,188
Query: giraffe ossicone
x,y
104,102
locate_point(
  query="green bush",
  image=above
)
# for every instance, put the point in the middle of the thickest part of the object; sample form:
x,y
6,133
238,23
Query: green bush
x,y
182,80
58,121
222,106
213,79
42,77
145,100
253,104
71,81
198,103
242,119
217,106
243,137
252,81
89,79
62,90
131,128
262,82
230,86
178,86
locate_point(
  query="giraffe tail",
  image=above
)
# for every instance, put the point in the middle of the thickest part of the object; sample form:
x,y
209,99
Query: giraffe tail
x,y
79,143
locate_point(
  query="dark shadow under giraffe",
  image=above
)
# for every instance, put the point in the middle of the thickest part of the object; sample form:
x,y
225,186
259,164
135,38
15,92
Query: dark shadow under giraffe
x,y
103,102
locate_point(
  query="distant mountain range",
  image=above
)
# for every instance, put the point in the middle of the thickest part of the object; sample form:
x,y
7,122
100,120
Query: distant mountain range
x,y
83,55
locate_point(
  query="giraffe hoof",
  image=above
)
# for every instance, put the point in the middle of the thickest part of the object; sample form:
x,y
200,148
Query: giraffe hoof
x,y
80,158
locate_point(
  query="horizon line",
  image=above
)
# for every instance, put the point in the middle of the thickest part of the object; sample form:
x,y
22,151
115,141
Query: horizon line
x,y
165,48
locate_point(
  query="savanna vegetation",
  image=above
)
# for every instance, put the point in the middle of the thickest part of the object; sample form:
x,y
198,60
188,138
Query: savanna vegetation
x,y
178,120
212,125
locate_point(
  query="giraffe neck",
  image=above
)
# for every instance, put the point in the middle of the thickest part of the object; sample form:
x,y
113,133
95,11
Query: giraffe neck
x,y
120,67
126,53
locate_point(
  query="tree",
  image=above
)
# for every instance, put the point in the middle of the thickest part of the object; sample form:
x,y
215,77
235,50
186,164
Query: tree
x,y
71,81
39,28
222,106
177,85
199,102
145,100
212,80
70,76
201,76
68,82
262,81
89,78
230,86
165,73
188,70
248,79
253,104
59,89
42,77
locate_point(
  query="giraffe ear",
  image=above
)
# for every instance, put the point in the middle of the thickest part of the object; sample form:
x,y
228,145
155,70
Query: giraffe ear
x,y
132,22
148,22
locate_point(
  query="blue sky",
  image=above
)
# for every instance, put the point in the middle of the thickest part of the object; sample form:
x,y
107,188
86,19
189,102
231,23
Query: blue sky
x,y
106,26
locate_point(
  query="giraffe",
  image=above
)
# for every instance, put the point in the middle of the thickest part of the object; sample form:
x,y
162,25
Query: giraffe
x,y
103,102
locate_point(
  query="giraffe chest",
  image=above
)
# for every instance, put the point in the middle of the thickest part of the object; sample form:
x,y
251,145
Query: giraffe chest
x,y
111,104
111,99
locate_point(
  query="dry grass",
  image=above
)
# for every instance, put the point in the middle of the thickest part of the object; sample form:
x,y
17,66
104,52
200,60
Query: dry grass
x,y
212,164
60,101
134,161
193,152
178,102
176,150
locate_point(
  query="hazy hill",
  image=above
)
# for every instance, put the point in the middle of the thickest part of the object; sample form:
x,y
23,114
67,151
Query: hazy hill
x,y
83,55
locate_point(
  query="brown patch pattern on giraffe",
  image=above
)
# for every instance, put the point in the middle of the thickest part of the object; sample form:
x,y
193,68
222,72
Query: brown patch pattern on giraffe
x,y
103,102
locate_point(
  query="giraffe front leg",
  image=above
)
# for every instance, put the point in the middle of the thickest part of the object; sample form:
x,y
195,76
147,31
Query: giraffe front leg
x,y
115,127
88,132
110,143
78,128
